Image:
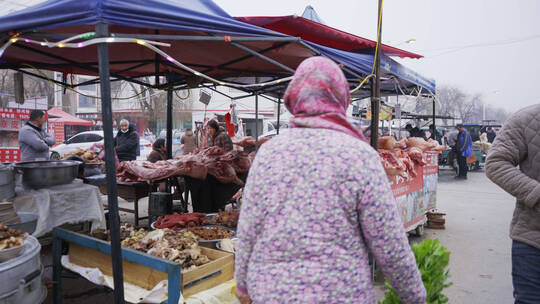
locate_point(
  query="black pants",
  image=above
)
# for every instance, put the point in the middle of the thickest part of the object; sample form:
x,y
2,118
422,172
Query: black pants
x,y
462,163
210,195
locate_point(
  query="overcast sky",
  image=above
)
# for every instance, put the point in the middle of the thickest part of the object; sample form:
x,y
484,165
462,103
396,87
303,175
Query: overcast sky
x,y
482,46
504,67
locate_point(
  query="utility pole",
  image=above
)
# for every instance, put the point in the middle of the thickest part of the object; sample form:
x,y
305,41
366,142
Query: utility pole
x,y
375,98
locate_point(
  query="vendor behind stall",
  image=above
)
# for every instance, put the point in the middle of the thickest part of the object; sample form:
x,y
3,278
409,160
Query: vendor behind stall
x,y
415,132
34,142
159,151
438,136
126,142
218,136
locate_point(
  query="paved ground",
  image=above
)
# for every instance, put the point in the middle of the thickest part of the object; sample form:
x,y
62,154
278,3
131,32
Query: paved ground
x,y
477,226
476,234
478,215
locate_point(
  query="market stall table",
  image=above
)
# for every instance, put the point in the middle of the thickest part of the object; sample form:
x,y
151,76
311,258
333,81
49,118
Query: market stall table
x,y
63,204
131,192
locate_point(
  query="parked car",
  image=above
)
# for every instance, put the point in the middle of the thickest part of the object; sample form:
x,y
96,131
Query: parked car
x,y
85,140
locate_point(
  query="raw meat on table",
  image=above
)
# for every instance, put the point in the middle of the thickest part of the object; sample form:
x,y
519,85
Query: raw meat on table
x,y
389,143
224,173
417,155
392,164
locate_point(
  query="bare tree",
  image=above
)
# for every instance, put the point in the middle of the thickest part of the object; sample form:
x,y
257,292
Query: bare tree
x,y
448,99
454,102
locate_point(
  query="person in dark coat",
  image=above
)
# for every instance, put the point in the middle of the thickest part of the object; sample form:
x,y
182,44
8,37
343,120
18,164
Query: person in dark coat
x,y
491,135
438,136
159,151
463,150
126,142
415,132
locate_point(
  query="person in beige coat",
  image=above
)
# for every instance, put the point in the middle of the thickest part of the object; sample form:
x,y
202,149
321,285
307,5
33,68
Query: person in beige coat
x,y
188,140
513,163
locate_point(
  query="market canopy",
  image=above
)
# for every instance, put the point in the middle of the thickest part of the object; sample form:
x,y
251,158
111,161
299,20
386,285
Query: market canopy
x,y
57,115
201,36
313,31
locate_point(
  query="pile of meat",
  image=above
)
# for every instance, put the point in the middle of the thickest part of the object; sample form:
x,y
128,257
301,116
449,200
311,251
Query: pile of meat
x,y
211,233
225,218
179,247
177,221
224,166
399,157
249,142
87,155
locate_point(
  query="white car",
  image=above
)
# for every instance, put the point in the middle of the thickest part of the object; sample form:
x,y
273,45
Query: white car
x,y
87,139
83,141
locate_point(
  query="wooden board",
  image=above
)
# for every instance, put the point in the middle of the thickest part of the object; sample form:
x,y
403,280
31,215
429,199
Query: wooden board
x,y
219,270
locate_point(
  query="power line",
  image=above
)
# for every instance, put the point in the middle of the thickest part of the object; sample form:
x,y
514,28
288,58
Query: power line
x,y
485,44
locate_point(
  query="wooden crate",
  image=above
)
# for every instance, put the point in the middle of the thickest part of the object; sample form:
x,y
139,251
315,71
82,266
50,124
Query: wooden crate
x,y
219,270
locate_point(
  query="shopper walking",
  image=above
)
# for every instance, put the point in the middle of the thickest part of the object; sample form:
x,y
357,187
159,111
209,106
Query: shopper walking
x,y
513,163
316,201
463,149
491,135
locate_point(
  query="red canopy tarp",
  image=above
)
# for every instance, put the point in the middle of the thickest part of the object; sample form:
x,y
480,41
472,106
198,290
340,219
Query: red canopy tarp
x,y
322,34
66,118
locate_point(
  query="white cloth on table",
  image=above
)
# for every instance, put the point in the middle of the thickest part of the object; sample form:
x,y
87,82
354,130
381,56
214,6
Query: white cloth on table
x,y
63,204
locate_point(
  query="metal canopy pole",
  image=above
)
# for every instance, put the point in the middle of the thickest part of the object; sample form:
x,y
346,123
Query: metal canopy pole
x,y
375,99
434,124
256,121
169,121
278,115
110,165
267,59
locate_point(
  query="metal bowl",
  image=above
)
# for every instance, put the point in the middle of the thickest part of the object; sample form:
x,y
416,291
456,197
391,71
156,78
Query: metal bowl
x,y
43,174
28,222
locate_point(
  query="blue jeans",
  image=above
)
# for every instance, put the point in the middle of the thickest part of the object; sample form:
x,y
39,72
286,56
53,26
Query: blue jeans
x,y
525,273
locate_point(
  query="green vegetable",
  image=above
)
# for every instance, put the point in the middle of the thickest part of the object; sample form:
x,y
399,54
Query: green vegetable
x,y
432,259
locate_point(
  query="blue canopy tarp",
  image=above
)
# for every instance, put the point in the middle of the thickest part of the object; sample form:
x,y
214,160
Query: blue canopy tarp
x,y
363,63
187,15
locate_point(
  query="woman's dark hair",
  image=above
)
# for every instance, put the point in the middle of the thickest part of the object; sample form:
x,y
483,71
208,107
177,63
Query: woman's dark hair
x,y
213,124
160,142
